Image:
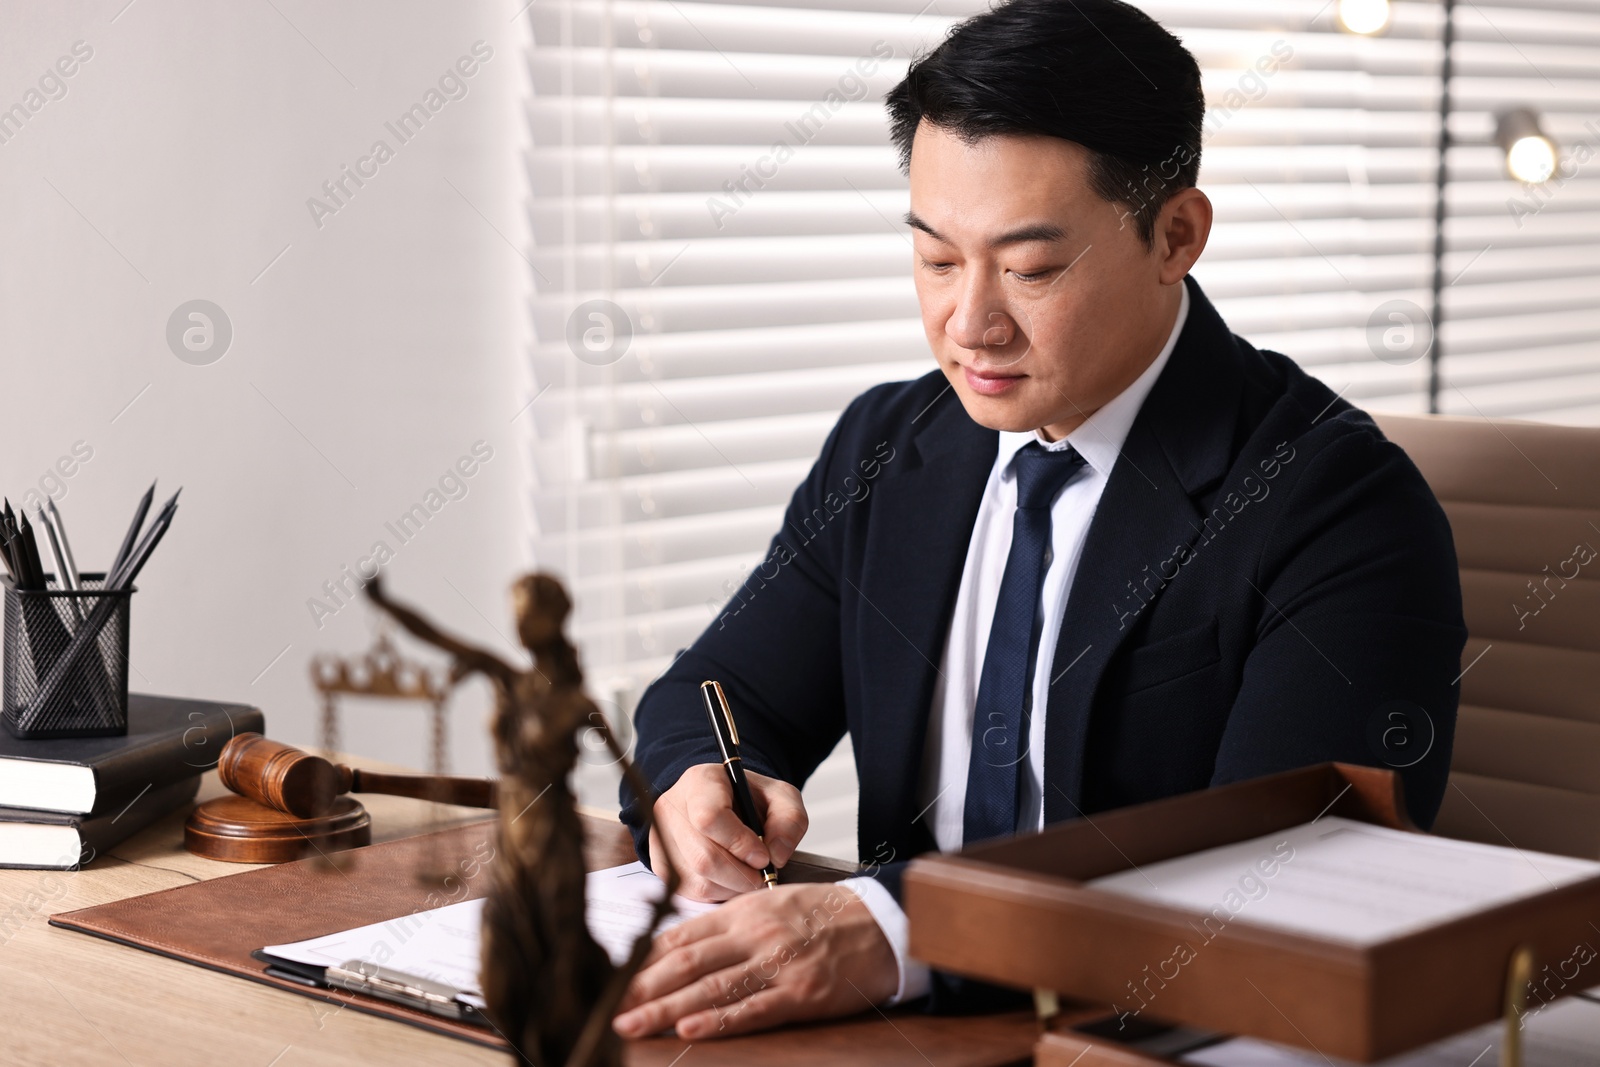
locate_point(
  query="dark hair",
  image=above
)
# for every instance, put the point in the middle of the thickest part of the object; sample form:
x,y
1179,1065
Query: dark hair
x,y
1100,73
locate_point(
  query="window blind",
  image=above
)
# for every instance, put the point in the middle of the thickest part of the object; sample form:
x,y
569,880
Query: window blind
x,y
1521,330
720,173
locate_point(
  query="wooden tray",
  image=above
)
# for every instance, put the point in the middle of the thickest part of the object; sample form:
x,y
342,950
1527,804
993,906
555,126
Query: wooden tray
x,y
1017,912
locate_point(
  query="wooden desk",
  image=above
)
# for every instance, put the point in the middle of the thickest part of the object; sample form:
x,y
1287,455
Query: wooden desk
x,y
68,998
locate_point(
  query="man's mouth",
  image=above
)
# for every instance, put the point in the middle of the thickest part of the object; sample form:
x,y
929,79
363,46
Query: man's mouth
x,y
991,382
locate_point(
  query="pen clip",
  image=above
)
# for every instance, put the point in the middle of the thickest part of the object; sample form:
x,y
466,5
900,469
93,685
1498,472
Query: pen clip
x,y
713,687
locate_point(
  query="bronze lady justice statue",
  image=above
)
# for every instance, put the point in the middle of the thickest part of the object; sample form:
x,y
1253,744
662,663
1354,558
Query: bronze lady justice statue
x,y
549,986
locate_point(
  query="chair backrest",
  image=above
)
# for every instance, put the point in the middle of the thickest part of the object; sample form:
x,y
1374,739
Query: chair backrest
x,y
1524,504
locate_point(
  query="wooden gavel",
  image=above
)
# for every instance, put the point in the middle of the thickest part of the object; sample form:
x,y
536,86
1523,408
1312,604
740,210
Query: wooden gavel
x,y
287,779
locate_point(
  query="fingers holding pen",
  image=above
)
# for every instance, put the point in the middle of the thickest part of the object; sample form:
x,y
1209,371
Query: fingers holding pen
x,y
783,816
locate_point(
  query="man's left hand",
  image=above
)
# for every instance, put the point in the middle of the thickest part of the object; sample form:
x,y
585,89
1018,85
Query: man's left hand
x,y
764,958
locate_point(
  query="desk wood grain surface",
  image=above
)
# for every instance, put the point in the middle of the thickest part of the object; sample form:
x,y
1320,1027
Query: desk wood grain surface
x,y
67,998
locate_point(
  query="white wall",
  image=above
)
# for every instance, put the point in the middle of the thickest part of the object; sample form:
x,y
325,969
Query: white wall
x,y
364,361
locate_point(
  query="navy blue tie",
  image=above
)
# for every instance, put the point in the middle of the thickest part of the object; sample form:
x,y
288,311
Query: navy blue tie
x,y
1005,687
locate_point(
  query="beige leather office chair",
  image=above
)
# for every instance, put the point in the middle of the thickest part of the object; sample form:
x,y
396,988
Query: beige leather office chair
x,y
1524,504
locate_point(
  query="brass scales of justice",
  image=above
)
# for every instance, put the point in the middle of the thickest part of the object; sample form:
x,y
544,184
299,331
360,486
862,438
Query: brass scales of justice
x,y
287,804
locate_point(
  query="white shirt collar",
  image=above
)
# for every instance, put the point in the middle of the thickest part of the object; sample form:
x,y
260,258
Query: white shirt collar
x,y
1099,440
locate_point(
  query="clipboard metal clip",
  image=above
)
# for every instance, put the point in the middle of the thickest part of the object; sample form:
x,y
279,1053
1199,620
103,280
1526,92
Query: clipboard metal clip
x,y
361,976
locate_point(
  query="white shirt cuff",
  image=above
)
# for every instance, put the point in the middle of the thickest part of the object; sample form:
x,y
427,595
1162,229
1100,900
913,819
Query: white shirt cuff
x,y
914,978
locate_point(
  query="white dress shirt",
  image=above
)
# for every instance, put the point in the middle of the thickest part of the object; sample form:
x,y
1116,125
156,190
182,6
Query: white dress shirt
x,y
942,789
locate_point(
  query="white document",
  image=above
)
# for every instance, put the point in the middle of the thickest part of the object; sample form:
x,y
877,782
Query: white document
x,y
1565,1033
442,944
619,902
1348,881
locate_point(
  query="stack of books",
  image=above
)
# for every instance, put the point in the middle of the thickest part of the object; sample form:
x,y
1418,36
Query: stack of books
x,y
65,801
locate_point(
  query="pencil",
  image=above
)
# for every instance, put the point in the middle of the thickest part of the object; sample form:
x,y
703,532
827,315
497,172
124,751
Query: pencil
x,y
133,530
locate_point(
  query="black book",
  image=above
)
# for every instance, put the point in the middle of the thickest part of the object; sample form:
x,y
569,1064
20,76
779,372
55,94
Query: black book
x,y
45,840
168,739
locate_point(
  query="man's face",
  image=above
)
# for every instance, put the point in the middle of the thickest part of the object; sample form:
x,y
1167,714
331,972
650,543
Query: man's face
x,y
1039,300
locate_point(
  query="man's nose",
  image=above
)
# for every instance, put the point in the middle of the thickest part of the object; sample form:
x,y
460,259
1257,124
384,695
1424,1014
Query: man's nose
x,y
980,320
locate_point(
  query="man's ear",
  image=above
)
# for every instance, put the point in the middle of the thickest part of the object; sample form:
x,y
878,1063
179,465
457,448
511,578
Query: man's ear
x,y
1181,232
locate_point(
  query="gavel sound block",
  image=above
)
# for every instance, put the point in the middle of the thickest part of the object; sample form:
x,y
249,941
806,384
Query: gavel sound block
x,y
291,804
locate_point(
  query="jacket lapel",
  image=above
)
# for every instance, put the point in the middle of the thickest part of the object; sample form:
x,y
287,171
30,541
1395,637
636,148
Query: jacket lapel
x,y
917,544
1180,443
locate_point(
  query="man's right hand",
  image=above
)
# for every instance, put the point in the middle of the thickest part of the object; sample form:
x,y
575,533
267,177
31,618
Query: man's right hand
x,y
716,855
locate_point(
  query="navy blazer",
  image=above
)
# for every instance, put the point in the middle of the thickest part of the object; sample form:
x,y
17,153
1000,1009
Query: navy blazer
x,y
1267,583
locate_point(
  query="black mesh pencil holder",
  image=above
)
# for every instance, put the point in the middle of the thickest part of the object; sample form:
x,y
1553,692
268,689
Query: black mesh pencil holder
x,y
66,661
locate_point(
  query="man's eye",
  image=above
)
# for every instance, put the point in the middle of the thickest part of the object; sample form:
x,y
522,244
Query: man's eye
x,y
1032,276
938,268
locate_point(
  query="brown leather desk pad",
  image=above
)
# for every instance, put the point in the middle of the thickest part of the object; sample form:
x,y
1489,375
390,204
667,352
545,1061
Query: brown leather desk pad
x,y
217,924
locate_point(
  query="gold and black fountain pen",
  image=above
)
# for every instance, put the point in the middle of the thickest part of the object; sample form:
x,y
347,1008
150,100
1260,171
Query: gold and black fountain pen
x,y
744,804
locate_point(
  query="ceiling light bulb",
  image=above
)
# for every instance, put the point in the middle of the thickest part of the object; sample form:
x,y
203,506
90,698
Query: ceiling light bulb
x,y
1364,16
1531,159
1530,151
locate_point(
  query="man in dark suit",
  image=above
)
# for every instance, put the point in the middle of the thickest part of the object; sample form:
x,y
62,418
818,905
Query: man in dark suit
x,y
1108,552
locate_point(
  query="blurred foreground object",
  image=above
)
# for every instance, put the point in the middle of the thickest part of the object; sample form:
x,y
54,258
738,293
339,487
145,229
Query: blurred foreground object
x,y
549,986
